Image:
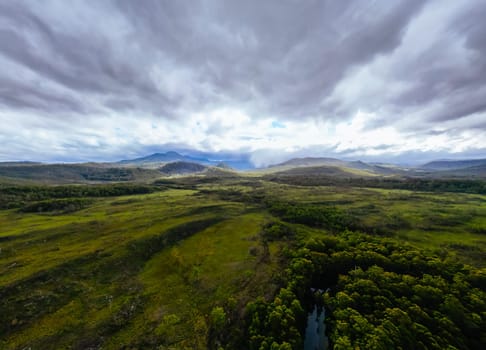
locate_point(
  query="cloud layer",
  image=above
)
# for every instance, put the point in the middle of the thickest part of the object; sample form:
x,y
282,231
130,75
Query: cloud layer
x,y
104,80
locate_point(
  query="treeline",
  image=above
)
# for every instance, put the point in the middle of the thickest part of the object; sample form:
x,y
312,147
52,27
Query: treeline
x,y
413,184
328,217
65,205
384,295
109,174
70,172
19,196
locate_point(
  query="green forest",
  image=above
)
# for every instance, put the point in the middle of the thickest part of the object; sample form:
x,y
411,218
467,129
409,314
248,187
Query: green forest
x,y
240,262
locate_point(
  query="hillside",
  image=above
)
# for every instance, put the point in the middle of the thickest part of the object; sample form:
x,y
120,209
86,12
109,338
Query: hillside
x,y
181,168
75,173
379,169
172,163
240,162
310,161
198,263
328,171
336,167
20,163
453,164
478,171
333,167
157,158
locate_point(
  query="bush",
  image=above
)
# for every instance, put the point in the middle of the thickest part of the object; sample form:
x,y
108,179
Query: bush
x,y
60,206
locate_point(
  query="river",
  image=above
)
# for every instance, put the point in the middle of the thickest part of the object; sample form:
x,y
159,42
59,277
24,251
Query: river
x,y
315,336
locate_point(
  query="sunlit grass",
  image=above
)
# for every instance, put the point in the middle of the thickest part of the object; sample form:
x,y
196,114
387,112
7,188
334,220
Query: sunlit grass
x,y
73,278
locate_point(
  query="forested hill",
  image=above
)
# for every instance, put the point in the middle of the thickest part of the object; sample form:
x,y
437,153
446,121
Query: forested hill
x,y
453,164
179,168
75,173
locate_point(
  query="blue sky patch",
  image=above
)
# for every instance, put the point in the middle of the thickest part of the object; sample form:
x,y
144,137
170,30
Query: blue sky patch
x,y
278,125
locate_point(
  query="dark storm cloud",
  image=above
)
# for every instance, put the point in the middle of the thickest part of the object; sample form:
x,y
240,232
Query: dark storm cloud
x,y
18,95
284,57
418,66
467,87
82,61
451,73
279,57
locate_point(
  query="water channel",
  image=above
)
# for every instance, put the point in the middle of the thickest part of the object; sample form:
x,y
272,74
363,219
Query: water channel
x,y
315,332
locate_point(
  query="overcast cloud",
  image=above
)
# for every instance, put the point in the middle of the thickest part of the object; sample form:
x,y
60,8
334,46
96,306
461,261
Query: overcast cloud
x,y
106,80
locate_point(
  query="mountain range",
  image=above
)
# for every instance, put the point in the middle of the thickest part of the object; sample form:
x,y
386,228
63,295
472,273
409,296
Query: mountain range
x,y
154,160
454,164
173,163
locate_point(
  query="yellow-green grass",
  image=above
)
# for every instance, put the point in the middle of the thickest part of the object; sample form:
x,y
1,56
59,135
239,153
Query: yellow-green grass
x,y
184,282
452,221
70,280
101,227
82,265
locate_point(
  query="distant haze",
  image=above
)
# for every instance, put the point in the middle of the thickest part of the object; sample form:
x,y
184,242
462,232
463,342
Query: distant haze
x,y
395,81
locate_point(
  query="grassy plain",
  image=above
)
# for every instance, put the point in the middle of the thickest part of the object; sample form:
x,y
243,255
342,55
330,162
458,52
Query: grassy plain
x,y
452,221
146,271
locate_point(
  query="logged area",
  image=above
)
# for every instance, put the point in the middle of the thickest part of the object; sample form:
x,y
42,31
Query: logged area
x,y
240,262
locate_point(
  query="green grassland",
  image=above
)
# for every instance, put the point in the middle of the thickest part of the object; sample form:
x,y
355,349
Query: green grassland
x,y
159,270
105,271
452,221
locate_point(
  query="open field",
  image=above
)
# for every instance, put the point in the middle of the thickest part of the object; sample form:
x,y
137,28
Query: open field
x,y
453,221
177,268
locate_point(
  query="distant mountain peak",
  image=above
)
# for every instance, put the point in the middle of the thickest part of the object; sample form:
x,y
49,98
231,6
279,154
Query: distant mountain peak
x,y
311,161
170,153
450,164
157,159
223,165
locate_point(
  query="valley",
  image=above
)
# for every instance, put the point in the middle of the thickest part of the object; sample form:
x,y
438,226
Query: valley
x,y
204,261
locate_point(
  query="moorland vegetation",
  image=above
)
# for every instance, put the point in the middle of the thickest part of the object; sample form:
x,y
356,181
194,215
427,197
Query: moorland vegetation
x,y
233,262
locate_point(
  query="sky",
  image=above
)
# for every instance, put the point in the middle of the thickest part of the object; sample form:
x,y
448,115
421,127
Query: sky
x,y
399,81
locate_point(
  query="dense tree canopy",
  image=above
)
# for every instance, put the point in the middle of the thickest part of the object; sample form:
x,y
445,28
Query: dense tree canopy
x,y
384,295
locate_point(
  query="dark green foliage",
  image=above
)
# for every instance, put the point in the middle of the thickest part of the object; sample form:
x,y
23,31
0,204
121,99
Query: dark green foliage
x,y
68,205
60,173
218,321
478,229
413,184
387,296
313,215
276,231
278,324
229,195
17,196
110,174
375,308
182,168
217,318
